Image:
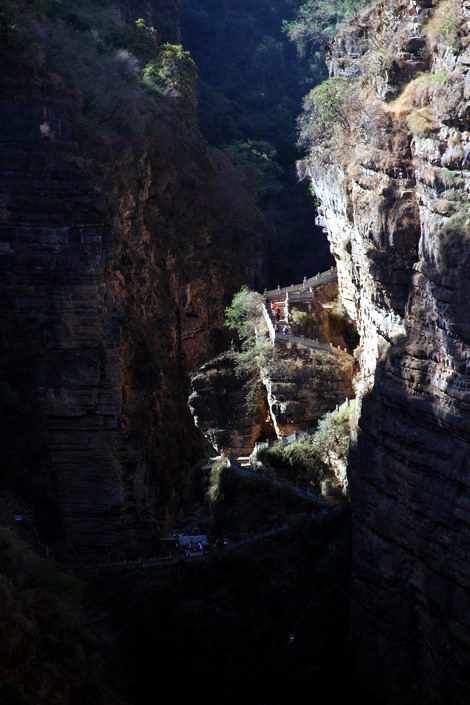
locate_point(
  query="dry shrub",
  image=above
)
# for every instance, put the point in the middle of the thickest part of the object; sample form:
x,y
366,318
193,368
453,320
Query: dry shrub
x,y
416,94
445,23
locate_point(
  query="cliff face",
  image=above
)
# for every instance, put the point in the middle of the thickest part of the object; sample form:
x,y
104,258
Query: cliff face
x,y
162,14
114,267
394,190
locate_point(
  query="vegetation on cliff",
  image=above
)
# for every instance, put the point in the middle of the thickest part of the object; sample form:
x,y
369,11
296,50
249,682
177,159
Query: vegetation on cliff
x,y
251,83
47,654
114,72
313,459
316,22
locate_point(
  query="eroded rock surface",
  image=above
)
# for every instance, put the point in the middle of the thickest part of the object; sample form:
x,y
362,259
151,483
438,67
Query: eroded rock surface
x,y
395,206
114,265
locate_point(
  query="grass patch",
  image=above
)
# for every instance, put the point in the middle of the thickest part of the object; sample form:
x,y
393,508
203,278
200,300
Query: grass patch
x,y
445,24
416,93
312,459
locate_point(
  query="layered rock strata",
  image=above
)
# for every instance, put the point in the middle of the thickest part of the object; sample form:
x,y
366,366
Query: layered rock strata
x,y
114,265
219,409
394,197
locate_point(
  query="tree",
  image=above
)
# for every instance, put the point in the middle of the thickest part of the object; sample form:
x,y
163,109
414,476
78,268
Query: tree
x,y
243,312
317,20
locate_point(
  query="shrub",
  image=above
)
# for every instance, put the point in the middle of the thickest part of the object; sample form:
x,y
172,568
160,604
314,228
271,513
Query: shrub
x,y
244,311
317,21
173,75
420,121
299,460
323,108
300,318
416,95
215,479
257,162
445,24
312,458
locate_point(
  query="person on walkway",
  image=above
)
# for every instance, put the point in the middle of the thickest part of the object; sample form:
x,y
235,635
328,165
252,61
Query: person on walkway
x,y
285,330
278,314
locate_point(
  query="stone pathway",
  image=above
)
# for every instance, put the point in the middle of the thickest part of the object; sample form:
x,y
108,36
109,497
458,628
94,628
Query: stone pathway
x,y
246,471
296,293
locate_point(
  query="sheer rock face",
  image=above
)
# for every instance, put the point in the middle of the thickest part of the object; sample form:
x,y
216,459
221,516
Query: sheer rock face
x,y
304,385
395,206
218,405
113,273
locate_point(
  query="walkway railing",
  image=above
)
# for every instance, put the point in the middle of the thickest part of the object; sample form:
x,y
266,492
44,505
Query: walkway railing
x,y
297,340
319,279
283,484
194,557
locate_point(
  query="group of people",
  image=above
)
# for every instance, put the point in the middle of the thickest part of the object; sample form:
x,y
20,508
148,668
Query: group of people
x,y
276,312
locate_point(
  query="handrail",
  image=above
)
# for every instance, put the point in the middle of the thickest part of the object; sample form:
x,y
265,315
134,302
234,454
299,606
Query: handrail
x,y
284,484
295,340
318,280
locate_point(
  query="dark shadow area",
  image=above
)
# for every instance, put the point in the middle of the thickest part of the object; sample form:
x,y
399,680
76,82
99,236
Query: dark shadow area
x,y
265,624
409,484
251,85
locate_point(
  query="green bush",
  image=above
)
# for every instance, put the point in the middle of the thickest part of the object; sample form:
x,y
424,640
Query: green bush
x,y
323,109
445,25
297,461
310,459
317,20
173,75
244,312
299,318
257,161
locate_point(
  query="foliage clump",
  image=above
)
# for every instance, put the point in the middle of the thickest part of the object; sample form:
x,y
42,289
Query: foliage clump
x,y
445,25
311,459
46,652
244,312
173,75
256,352
413,103
324,108
299,317
257,162
86,54
317,20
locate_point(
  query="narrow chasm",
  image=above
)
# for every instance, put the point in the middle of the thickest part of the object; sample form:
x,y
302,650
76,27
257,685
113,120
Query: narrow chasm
x,y
234,351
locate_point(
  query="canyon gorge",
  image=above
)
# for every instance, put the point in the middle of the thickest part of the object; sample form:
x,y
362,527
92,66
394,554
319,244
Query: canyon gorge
x,y
147,154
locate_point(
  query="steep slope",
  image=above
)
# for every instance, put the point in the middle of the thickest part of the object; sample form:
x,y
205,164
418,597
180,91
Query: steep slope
x,y
251,84
391,170
117,229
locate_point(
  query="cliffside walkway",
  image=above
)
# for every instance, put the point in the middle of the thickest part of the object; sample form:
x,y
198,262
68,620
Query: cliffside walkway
x,y
198,557
162,563
307,286
297,293
311,495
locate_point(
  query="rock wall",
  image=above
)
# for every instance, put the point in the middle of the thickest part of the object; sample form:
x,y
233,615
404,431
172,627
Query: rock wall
x,y
218,406
115,265
394,191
